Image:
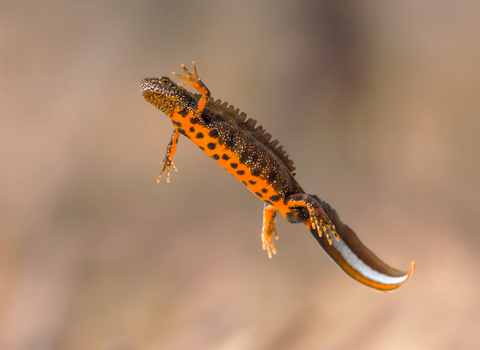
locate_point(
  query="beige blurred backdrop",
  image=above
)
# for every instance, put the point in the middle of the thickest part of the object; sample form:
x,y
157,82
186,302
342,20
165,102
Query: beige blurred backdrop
x,y
376,102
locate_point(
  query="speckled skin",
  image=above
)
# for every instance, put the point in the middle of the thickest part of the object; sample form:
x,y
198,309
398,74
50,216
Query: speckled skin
x,y
233,145
264,168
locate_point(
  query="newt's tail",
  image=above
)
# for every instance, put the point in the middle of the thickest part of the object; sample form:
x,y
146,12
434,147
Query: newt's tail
x,y
356,260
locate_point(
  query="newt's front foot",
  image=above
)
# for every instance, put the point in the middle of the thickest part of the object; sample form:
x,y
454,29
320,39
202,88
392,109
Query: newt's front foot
x,y
191,78
168,165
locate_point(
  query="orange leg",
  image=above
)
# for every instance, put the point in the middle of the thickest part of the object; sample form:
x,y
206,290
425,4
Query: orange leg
x,y
318,218
167,162
195,82
269,214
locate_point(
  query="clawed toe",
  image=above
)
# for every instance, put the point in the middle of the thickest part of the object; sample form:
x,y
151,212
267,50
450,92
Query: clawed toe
x,y
268,245
168,165
191,78
324,226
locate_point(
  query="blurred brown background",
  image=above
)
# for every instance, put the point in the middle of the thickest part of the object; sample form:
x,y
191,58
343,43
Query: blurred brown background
x,y
377,103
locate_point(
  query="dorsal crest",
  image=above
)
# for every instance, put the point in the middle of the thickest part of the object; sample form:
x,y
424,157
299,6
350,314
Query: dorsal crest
x,y
240,118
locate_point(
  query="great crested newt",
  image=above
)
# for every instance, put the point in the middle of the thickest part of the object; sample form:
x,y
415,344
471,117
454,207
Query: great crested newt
x,y
247,152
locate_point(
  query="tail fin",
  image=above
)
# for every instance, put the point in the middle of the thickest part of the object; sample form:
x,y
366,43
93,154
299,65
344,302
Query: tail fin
x,y
356,260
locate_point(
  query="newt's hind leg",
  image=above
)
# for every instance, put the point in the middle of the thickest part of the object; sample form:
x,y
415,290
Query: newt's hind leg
x,y
269,214
318,218
193,80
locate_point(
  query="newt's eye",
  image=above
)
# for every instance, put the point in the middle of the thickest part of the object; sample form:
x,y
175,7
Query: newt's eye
x,y
165,81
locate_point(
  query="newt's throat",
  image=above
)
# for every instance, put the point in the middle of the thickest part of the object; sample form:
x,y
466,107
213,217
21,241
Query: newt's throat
x,y
164,104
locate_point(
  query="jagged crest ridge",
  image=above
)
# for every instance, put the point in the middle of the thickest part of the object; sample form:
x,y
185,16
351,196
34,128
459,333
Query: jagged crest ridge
x,y
240,118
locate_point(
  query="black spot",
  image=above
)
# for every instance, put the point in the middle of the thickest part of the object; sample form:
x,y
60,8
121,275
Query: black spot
x,y
213,133
243,182
244,157
241,172
258,194
264,190
268,202
176,123
181,131
234,165
252,182
274,198
272,176
192,129
207,119
202,148
230,141
212,145
254,157
194,120
256,172
225,157
183,112
216,157
199,135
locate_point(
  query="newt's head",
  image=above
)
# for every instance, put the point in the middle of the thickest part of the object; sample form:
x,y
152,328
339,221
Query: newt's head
x,y
167,96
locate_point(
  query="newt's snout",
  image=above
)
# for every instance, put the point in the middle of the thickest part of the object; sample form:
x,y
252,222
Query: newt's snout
x,y
162,85
148,85
165,95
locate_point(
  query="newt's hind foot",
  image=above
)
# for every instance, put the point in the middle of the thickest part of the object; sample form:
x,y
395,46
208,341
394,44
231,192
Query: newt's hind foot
x,y
322,223
269,214
318,218
267,242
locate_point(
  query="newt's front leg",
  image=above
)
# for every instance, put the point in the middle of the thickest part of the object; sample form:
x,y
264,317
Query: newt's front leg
x,y
167,161
193,80
318,218
269,214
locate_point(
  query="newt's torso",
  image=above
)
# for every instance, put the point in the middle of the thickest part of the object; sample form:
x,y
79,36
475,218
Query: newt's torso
x,y
246,152
225,136
262,166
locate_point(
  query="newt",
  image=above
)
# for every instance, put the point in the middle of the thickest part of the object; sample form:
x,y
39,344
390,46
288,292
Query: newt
x,y
247,152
